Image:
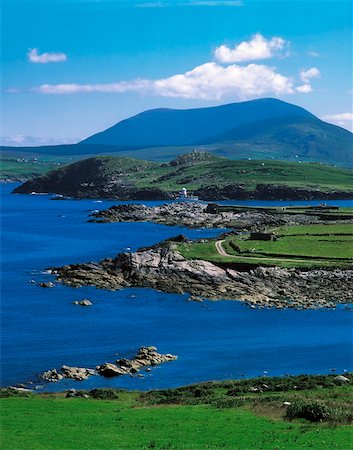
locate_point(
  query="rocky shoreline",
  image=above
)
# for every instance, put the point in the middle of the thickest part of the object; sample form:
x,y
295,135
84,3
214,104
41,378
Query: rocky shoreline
x,y
162,267
196,215
145,357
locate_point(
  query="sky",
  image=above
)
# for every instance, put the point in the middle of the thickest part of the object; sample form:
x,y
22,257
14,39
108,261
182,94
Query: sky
x,y
71,68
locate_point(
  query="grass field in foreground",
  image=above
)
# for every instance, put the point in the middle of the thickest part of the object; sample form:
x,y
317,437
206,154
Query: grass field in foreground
x,y
296,246
132,421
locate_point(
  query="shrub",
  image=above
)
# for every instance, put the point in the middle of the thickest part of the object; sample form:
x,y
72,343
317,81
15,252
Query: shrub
x,y
314,412
14,393
105,394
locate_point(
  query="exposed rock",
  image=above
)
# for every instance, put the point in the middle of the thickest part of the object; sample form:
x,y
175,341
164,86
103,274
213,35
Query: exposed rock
x,y
84,302
342,379
146,356
52,376
46,284
199,215
19,389
76,373
162,267
110,370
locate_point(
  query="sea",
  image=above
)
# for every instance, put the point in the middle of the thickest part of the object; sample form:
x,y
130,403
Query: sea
x,y
42,329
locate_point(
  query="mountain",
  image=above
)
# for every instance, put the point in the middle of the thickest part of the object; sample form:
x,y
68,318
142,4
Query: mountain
x,y
207,175
268,125
259,129
181,127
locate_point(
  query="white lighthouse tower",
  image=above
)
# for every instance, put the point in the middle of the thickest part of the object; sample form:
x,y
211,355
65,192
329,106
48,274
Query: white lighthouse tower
x,y
183,193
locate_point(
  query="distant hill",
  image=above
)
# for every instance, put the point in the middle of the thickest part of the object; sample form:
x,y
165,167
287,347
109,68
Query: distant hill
x,y
259,129
206,175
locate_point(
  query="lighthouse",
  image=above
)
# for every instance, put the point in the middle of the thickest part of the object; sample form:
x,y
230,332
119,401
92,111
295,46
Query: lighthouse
x,y
183,193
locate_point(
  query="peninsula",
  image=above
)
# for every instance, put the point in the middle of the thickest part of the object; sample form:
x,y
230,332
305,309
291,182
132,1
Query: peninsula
x,y
207,176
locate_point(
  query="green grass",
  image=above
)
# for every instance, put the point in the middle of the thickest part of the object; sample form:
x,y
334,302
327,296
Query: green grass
x,y
10,169
211,415
250,173
296,246
212,172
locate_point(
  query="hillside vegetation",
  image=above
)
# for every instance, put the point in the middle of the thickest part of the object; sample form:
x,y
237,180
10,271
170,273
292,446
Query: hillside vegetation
x,y
201,172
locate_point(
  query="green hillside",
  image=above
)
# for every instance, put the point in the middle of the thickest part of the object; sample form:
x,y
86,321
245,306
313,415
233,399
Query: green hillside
x,y
197,171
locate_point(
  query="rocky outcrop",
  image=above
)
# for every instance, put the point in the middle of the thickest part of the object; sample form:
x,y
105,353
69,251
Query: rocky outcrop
x,y
195,215
46,284
84,302
162,267
74,373
146,356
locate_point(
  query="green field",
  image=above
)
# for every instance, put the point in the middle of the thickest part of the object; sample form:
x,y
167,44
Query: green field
x,y
200,170
212,415
221,172
12,169
296,246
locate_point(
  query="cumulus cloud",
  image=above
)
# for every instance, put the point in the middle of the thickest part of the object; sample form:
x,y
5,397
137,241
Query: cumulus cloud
x,y
207,81
304,88
210,81
344,120
43,58
257,48
306,75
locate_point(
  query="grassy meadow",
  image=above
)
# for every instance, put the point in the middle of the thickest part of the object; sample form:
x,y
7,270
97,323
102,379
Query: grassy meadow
x,y
244,414
296,246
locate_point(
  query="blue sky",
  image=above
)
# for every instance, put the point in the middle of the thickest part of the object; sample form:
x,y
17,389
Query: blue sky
x,y
71,68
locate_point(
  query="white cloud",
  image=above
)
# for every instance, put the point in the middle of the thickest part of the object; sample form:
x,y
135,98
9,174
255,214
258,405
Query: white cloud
x,y
256,49
306,75
20,140
44,58
344,120
208,81
304,88
213,81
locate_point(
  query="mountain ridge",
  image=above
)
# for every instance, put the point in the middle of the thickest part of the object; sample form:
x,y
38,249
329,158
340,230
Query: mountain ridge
x,y
257,129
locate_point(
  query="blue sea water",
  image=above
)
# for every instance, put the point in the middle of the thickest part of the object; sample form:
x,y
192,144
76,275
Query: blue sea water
x,y
42,329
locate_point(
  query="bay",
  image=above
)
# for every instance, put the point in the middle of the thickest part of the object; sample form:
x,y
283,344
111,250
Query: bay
x,y
42,329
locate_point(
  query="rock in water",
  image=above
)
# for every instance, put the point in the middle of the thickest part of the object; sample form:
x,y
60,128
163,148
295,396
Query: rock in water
x,y
110,370
52,376
46,284
77,373
146,356
84,302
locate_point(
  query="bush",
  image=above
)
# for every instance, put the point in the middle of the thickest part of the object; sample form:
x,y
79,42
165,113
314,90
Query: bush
x,y
314,412
105,394
14,393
